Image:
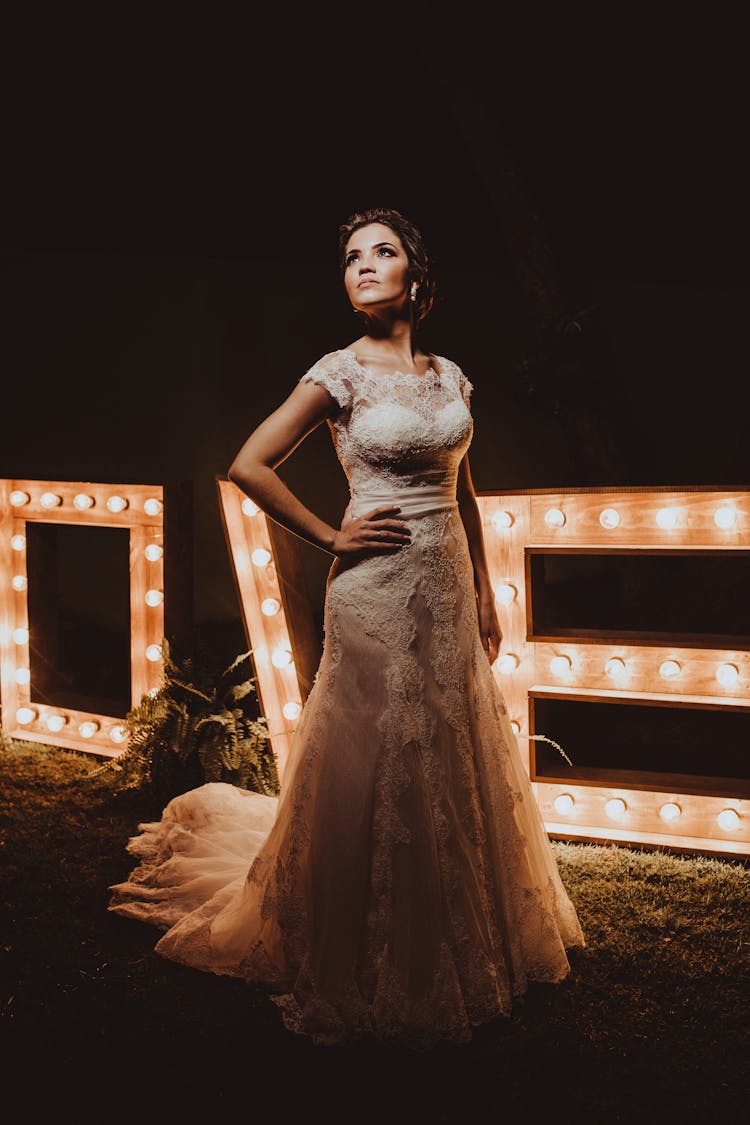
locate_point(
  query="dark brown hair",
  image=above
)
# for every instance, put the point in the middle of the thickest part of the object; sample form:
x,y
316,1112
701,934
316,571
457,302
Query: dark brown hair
x,y
412,242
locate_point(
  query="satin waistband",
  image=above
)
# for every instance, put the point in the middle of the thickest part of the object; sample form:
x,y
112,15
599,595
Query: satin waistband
x,y
412,499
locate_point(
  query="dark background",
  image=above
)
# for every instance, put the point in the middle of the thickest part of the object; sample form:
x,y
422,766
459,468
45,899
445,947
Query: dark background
x,y
171,196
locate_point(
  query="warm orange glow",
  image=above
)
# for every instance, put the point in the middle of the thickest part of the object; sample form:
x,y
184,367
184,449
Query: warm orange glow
x,y
683,674
84,504
266,626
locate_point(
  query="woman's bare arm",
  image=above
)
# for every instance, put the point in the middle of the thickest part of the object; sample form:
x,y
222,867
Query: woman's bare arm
x,y
489,626
253,471
467,506
268,446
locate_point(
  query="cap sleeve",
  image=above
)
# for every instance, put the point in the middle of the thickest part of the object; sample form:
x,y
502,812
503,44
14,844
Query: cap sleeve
x,y
334,373
465,387
457,377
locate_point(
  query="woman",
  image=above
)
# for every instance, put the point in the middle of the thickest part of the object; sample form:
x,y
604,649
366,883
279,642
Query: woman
x,y
402,886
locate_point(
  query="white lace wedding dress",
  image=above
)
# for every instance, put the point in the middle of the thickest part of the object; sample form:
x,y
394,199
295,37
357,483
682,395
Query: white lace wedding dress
x,y
402,886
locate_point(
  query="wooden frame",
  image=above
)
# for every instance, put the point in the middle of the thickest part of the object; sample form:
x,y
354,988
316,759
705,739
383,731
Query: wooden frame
x,y
146,511
709,816
276,613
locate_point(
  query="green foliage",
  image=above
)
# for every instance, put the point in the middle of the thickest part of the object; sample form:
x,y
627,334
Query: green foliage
x,y
200,725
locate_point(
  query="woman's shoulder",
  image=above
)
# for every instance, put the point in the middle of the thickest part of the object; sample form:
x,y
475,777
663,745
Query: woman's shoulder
x,y
448,368
336,372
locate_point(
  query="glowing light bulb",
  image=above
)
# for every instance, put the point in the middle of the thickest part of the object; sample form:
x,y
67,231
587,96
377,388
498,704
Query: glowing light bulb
x,y
616,668
501,520
669,669
153,552
25,715
154,653
82,501
505,593
560,665
154,597
23,676
249,507
615,808
56,723
50,500
668,518
21,635
18,582
270,606
609,517
725,517
117,503
281,657
18,498
515,726
728,819
88,728
118,733
18,542
261,557
292,710
727,674
554,517
152,506
563,803
507,663
670,810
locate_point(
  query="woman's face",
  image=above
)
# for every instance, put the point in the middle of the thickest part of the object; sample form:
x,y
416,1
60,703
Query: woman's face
x,y
376,269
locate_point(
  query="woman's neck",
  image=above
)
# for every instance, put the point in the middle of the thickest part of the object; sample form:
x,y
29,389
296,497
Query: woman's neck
x,y
394,339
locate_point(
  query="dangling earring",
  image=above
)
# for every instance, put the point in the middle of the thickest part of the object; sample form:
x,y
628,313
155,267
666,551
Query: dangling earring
x,y
414,288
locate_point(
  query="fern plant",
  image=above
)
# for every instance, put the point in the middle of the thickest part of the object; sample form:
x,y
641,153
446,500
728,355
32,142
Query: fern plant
x,y
198,726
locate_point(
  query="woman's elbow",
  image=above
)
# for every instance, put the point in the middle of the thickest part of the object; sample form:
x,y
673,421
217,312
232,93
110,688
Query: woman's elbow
x,y
243,473
239,473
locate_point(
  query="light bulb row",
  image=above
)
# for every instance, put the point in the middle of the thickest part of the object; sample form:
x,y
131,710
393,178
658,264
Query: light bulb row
x,y
616,808
152,553
23,675
616,668
57,722
152,598
281,656
668,518
82,501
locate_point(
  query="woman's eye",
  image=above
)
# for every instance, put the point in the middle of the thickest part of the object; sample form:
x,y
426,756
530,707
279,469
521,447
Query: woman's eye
x,y
386,250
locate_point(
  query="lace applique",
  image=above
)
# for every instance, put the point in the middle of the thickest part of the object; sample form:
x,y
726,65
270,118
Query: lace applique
x,y
329,372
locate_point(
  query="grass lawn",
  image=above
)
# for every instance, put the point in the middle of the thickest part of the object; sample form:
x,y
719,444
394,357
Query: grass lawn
x,y
651,1025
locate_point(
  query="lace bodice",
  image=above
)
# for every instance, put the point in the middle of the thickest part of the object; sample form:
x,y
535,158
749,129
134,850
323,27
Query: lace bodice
x,y
396,430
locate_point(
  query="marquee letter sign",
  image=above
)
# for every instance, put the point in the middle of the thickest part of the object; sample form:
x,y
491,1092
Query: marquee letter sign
x,y
157,520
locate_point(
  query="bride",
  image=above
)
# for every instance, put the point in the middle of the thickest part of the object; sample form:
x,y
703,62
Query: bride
x,y
402,886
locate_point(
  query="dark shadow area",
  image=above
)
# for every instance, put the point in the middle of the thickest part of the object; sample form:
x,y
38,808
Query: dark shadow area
x,y
79,616
698,750
683,595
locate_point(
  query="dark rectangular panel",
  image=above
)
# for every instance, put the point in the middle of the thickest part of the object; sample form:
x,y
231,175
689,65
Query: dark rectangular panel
x,y
650,746
687,594
79,616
